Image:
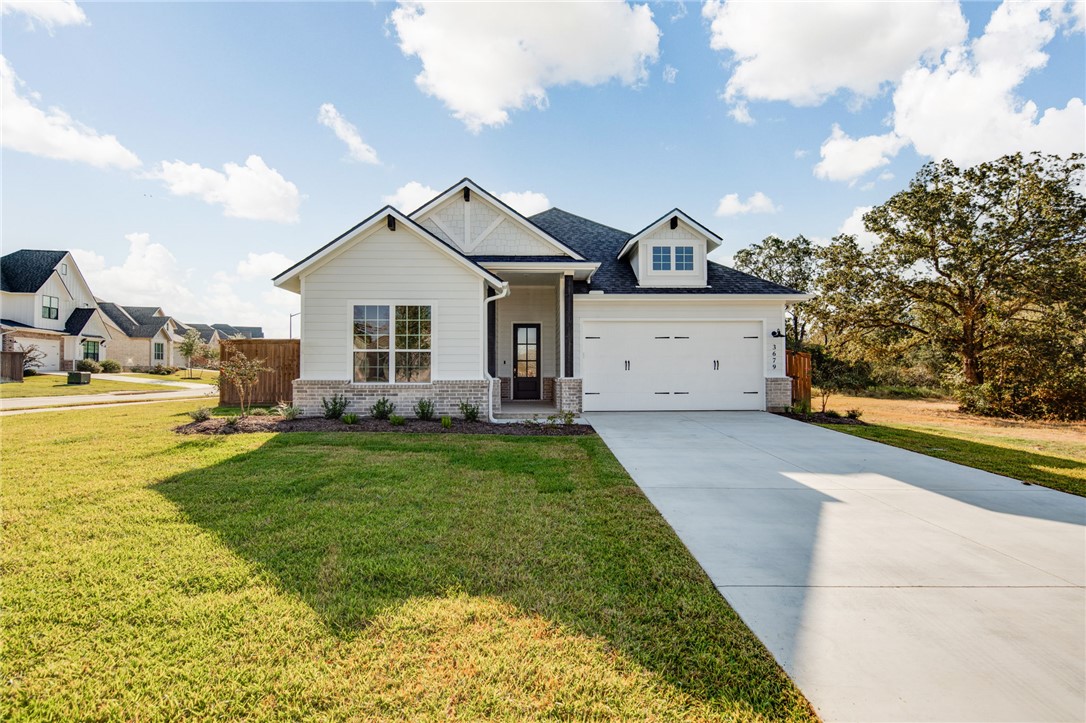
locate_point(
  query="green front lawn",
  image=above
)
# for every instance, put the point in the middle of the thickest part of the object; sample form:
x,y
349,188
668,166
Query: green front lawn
x,y
54,386
334,576
1065,470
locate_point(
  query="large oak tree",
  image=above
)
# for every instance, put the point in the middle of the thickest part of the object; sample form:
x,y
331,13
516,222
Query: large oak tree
x,y
965,258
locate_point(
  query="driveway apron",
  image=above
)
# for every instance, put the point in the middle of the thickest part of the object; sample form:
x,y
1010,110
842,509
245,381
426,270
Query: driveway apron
x,y
891,586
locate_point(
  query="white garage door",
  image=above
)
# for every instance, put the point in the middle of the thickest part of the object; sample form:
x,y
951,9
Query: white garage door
x,y
679,365
51,349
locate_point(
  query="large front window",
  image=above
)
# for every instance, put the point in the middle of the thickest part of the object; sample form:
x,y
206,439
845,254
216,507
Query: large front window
x,y
50,307
160,351
90,350
383,352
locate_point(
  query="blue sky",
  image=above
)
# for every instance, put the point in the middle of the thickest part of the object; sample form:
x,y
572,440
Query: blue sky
x,y
118,121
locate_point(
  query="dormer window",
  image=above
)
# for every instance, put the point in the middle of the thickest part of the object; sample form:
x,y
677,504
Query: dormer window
x,y
661,258
684,258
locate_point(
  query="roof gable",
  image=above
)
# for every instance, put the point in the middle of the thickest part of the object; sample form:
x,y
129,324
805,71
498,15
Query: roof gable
x,y
291,278
672,217
477,222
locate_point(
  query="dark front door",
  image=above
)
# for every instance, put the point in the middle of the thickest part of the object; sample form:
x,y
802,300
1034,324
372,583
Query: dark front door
x,y
526,361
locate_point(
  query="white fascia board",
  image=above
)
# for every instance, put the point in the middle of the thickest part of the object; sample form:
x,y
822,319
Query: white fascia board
x,y
290,279
580,269
512,213
712,240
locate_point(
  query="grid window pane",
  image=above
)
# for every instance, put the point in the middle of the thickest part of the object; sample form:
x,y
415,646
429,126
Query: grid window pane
x,y
412,329
413,366
661,258
684,258
160,351
371,329
371,366
50,307
90,350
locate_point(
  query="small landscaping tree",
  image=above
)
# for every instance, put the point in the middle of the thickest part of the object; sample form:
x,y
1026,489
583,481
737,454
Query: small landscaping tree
x,y
243,373
33,357
190,347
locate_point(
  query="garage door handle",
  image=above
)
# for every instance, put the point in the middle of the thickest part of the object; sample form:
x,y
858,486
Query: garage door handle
x,y
627,366
716,365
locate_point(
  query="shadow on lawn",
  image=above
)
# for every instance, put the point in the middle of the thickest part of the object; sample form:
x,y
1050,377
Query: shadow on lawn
x,y
356,524
1014,463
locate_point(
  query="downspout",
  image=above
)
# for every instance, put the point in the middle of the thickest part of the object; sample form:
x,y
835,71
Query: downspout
x,y
490,388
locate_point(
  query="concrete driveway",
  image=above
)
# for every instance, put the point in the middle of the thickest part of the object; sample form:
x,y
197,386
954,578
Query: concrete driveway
x,y
890,586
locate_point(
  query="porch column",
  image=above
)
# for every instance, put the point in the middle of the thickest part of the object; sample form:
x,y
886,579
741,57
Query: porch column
x,y
567,325
491,335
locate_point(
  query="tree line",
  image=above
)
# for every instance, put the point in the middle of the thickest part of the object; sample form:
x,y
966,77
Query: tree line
x,y
976,284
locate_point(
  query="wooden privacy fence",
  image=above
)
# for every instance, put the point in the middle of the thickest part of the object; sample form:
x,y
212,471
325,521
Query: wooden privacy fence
x,y
281,356
797,365
11,366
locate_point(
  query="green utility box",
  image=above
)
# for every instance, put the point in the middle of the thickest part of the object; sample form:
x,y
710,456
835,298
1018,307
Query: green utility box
x,y
79,377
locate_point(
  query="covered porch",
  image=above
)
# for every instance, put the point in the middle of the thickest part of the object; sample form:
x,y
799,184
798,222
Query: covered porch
x,y
530,338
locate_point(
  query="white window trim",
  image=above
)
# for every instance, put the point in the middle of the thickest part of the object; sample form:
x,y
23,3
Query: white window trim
x,y
154,351
55,305
392,343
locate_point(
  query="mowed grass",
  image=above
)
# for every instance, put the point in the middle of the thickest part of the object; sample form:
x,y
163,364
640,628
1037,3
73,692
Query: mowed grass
x,y
56,386
1051,454
199,376
335,576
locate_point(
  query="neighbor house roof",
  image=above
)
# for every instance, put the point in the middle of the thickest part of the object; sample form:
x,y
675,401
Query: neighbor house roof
x,y
138,322
207,332
252,332
24,272
603,244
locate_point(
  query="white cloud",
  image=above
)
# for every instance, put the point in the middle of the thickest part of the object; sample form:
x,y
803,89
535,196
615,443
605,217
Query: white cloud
x,y
740,113
485,59
346,132
52,133
758,202
800,153
410,196
670,73
886,176
526,203
150,275
49,13
846,159
854,225
253,191
262,266
966,108
805,52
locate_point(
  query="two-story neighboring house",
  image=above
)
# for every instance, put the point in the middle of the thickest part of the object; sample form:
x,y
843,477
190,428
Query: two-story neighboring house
x,y
45,302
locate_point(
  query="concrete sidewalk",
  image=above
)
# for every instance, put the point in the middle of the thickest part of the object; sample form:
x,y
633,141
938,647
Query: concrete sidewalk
x,y
189,391
891,586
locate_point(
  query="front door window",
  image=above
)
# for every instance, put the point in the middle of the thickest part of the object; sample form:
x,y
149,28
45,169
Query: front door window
x,y
526,383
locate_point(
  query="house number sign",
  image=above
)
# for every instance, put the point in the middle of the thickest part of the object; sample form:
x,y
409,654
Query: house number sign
x,y
773,356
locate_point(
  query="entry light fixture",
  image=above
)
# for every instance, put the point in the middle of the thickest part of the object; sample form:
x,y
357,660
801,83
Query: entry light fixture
x,y
776,334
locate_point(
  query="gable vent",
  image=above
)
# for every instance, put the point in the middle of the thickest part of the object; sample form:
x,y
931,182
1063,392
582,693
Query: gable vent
x,y
674,222
391,222
467,194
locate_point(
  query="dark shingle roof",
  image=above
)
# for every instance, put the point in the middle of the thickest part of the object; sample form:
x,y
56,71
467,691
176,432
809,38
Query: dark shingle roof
x,y
252,332
77,321
135,321
597,242
206,331
23,272
226,330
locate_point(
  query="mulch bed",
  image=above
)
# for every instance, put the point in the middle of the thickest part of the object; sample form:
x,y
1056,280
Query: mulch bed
x,y
820,418
218,425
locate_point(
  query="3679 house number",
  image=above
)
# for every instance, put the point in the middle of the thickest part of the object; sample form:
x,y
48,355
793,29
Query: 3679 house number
x,y
773,356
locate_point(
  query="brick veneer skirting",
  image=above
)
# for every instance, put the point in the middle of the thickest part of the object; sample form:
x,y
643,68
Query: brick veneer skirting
x,y
567,395
546,389
778,393
446,395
